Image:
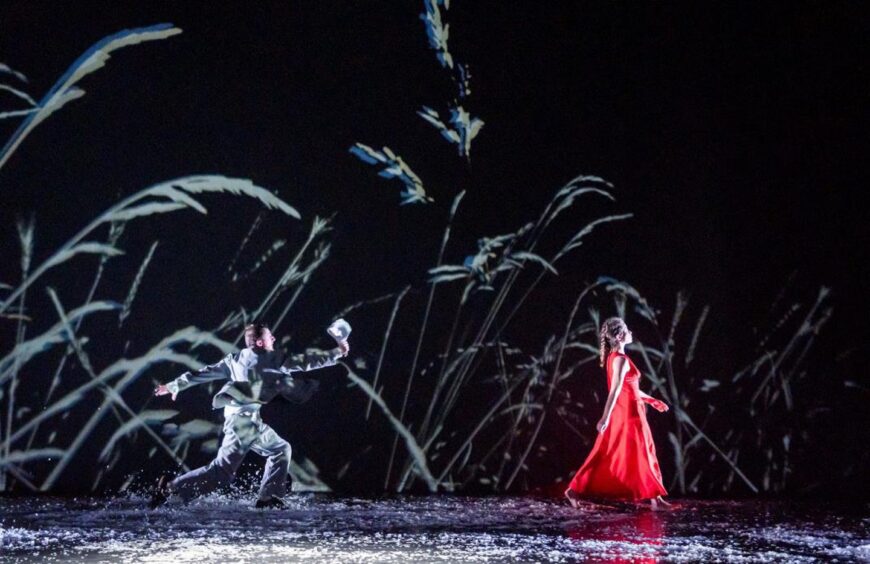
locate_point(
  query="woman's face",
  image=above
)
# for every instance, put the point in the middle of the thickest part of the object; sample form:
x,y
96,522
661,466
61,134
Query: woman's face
x,y
629,338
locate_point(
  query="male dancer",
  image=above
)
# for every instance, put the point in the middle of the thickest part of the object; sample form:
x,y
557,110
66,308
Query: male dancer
x,y
256,374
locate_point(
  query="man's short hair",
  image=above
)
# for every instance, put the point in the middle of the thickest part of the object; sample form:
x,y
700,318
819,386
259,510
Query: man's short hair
x,y
254,332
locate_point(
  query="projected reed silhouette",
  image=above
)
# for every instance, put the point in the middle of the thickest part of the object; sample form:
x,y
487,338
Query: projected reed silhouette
x,y
456,404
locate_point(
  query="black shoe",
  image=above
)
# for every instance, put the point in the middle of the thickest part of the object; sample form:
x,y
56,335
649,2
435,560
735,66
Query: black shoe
x,y
160,492
271,503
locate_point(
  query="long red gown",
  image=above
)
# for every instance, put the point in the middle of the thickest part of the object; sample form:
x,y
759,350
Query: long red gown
x,y
623,463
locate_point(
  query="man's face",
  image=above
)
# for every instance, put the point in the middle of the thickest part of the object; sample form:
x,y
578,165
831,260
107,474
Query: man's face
x,y
266,340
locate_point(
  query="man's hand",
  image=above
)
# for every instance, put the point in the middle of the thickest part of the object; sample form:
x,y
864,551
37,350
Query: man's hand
x,y
162,390
344,347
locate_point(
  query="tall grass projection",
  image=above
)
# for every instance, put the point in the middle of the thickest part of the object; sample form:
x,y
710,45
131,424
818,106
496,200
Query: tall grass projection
x,y
458,393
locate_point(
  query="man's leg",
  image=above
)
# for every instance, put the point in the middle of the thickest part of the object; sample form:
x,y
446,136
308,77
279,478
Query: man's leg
x,y
277,452
239,433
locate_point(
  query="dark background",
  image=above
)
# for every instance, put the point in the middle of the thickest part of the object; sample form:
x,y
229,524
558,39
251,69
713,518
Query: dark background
x,y
736,134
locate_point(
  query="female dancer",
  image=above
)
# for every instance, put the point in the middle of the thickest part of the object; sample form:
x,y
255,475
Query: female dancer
x,y
623,463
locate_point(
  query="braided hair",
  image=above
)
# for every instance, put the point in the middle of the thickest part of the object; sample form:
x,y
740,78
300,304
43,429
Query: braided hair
x,y
612,333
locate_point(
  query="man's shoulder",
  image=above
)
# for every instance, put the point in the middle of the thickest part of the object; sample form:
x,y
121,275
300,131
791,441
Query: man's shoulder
x,y
262,359
246,357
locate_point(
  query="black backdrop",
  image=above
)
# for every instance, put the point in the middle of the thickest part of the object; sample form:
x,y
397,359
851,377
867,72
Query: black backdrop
x,y
735,134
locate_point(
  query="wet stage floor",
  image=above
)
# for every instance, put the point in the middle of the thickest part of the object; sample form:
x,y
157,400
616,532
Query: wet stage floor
x,y
424,529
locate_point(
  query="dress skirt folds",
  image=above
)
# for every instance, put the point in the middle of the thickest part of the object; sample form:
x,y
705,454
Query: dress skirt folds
x,y
623,463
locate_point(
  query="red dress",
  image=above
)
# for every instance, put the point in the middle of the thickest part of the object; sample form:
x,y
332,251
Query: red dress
x,y
623,463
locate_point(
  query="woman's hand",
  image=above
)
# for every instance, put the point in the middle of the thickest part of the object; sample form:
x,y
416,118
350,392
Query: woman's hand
x,y
602,424
657,404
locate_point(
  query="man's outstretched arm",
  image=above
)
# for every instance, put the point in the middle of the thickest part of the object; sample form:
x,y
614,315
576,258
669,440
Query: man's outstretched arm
x,y
217,371
315,359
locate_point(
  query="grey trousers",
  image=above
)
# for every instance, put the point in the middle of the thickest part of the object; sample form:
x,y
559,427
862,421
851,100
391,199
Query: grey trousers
x,y
243,431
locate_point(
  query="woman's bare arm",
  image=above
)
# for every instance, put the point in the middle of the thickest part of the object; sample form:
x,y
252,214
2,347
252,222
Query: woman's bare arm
x,y
657,404
620,368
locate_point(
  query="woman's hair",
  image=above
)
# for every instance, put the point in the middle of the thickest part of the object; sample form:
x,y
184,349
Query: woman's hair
x,y
253,332
612,333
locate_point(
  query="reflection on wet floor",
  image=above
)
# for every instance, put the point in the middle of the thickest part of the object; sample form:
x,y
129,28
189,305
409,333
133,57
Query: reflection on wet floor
x,y
642,534
424,529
